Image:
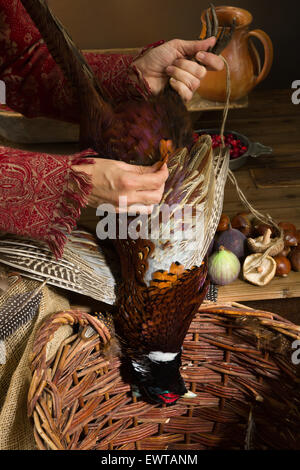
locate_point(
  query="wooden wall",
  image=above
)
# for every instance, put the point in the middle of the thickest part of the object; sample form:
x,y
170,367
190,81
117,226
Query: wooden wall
x,y
133,23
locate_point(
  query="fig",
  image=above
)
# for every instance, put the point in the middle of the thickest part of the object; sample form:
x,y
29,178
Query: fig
x,y
223,267
234,241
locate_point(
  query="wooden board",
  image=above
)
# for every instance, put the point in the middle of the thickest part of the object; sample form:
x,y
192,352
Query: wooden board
x,y
279,288
282,178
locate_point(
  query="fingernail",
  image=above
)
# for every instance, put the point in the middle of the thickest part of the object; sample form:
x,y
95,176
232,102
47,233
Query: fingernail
x,y
200,55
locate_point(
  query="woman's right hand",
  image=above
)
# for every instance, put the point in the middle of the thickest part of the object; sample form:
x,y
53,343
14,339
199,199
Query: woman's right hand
x,y
142,185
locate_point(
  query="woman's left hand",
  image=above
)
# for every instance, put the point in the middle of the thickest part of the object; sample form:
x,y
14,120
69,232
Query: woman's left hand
x,y
170,61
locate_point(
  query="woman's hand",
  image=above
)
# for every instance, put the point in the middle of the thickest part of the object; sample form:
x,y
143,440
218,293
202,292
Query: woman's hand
x,y
170,61
143,186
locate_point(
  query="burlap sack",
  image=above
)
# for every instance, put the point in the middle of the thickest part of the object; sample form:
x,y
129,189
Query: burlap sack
x,y
16,430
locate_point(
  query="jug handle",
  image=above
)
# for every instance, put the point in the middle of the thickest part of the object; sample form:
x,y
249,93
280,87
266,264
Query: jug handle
x,y
269,53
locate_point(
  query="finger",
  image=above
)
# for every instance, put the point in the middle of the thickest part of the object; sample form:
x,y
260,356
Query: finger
x,y
190,81
135,209
147,181
185,92
193,68
211,61
147,198
140,209
155,168
190,48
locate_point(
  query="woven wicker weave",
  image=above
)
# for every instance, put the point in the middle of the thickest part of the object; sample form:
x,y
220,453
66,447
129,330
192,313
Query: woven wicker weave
x,y
238,361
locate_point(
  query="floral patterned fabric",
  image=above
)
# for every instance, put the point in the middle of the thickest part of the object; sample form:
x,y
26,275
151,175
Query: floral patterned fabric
x,y
40,195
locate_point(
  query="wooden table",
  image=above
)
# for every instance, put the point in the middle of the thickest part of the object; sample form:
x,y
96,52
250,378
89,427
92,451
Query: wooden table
x,y
271,183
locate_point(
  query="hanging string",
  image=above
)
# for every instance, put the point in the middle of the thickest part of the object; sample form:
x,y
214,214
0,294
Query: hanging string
x,y
228,93
265,218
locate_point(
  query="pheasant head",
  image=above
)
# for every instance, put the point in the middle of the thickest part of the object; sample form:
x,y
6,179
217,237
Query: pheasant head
x,y
152,322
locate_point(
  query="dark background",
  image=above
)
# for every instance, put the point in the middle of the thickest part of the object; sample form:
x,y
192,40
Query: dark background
x,y
101,24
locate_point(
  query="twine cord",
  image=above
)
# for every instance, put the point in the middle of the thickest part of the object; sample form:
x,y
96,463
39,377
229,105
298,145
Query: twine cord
x,y
265,218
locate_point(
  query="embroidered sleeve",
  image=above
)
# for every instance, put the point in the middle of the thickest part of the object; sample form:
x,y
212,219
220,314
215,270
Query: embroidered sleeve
x,y
36,86
41,195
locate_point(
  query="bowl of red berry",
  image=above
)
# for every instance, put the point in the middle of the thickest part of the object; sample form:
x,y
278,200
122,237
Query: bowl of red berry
x,y
240,146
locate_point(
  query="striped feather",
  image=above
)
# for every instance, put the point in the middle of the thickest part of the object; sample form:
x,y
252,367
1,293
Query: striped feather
x,y
82,269
18,310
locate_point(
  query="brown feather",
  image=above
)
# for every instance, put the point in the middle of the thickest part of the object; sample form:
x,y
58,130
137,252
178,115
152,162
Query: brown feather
x,y
157,318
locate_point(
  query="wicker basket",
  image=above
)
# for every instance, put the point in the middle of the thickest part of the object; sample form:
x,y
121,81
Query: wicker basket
x,y
238,361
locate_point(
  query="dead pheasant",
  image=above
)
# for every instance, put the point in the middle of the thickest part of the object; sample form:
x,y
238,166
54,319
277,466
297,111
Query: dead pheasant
x,y
163,277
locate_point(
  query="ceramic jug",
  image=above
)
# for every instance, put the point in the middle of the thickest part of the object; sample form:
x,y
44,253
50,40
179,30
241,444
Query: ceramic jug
x,y
242,56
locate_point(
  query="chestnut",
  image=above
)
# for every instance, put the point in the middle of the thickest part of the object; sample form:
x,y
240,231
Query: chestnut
x,y
298,236
224,223
242,223
260,229
295,259
283,266
287,227
290,239
286,251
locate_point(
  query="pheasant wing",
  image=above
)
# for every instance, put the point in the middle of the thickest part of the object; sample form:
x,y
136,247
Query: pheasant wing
x,y
82,269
